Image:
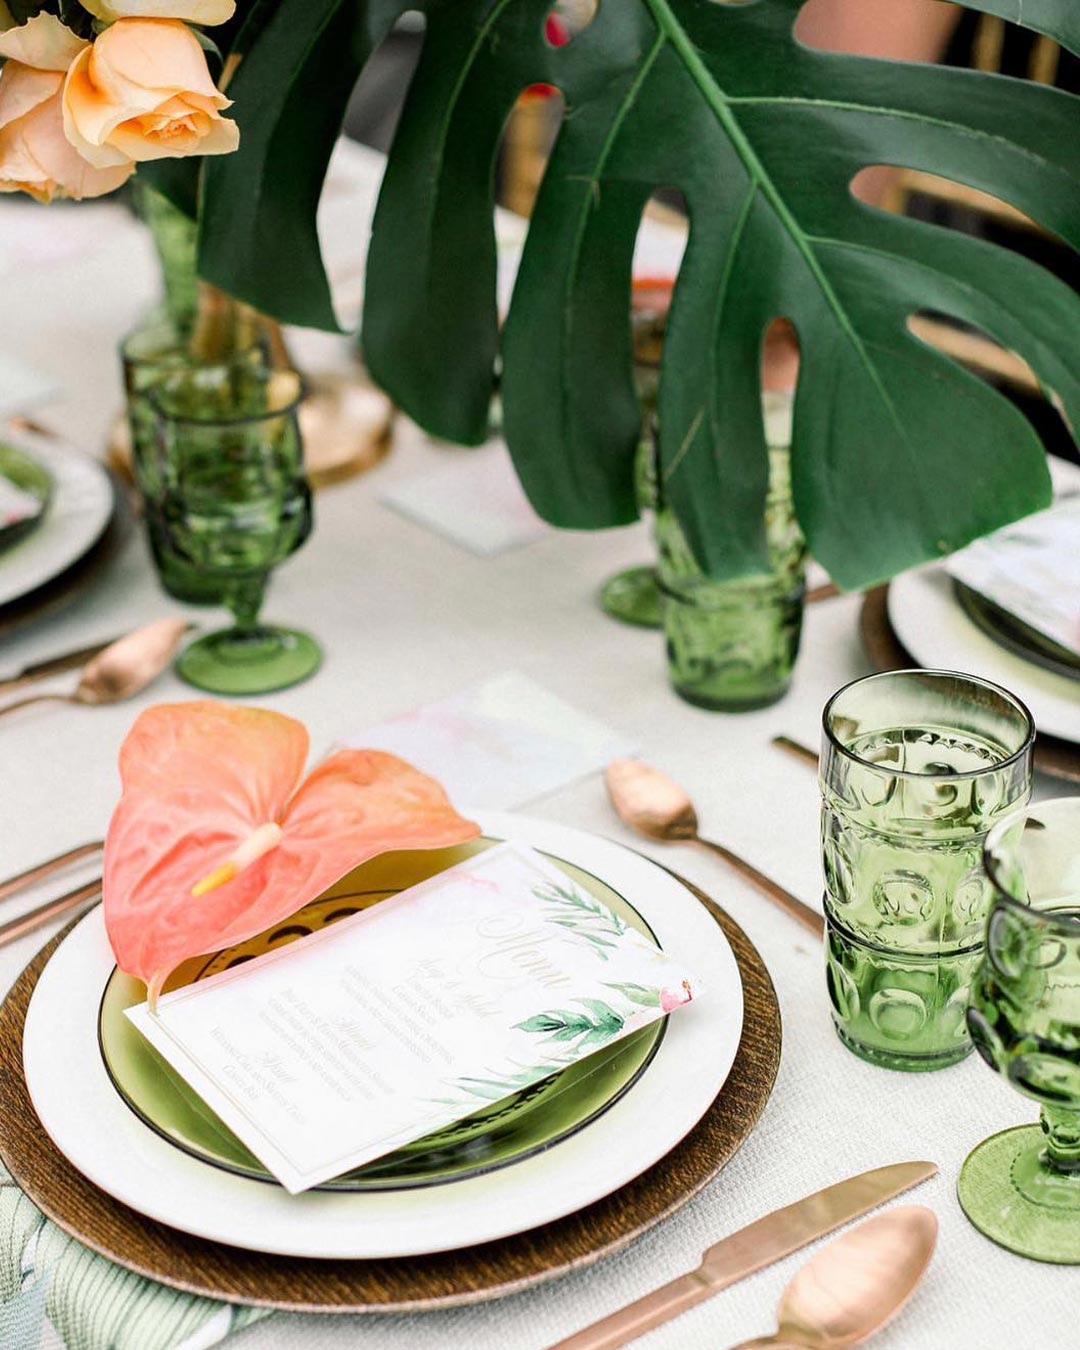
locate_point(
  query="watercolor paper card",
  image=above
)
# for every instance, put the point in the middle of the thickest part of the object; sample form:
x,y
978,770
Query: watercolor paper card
x,y
503,742
379,1030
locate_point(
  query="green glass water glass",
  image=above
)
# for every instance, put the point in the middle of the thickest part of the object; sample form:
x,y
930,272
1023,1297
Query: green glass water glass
x,y
732,645
154,354
235,504
1022,1187
916,767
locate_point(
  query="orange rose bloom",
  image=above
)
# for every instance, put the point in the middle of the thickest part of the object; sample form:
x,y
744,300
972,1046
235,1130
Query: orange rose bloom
x,y
143,91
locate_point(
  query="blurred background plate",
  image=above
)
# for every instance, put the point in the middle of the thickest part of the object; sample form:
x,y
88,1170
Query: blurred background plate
x,y
78,514
24,472
1015,635
929,622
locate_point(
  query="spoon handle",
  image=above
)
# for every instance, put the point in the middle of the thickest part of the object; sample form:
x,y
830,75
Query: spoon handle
x,y
37,698
808,917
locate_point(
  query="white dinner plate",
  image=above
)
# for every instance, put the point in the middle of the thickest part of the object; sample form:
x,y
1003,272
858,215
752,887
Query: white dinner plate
x,y
92,1127
73,522
929,621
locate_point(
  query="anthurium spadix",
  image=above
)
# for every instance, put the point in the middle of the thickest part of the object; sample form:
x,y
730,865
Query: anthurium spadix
x,y
216,838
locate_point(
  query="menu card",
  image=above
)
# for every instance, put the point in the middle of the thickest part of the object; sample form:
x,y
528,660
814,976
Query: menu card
x,y
1031,569
411,1015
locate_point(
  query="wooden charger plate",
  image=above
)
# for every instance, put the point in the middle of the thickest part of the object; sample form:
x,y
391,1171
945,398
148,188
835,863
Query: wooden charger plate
x,y
400,1285
1057,758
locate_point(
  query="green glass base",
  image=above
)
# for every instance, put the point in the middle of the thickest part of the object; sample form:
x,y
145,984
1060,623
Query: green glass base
x,y
904,1063
254,662
1008,1195
729,703
632,597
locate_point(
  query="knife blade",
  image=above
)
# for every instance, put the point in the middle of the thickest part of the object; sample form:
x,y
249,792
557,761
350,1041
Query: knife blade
x,y
751,1249
52,665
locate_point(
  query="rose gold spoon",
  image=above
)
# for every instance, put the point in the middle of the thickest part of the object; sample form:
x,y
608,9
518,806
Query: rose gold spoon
x,y
654,805
856,1284
122,669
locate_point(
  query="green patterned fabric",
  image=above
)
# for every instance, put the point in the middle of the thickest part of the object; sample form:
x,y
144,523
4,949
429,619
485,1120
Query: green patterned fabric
x,y
91,1303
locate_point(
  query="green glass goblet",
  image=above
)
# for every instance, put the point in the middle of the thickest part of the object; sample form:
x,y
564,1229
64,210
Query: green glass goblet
x,y
234,504
155,354
1022,1187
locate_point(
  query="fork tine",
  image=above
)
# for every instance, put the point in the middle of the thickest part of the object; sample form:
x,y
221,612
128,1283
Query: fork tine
x,y
46,869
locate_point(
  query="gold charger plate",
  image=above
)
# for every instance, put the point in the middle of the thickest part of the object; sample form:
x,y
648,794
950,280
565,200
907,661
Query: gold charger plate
x,y
403,1284
1059,759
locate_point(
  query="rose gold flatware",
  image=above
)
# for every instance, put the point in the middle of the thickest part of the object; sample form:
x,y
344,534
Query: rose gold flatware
x,y
48,912
796,749
849,1290
53,665
121,670
41,871
751,1249
654,805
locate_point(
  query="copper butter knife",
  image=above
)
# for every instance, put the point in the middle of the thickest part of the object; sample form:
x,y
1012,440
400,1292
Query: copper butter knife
x,y
750,1249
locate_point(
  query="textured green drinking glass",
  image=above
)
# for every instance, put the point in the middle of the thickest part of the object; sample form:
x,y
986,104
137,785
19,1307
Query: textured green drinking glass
x,y
234,504
1022,1187
732,645
916,767
153,355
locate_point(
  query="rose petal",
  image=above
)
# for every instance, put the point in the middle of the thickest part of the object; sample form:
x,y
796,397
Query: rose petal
x,y
190,11
23,88
43,42
35,155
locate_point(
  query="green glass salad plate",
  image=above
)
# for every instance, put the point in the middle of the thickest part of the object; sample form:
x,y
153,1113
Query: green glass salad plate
x,y
500,1132
25,473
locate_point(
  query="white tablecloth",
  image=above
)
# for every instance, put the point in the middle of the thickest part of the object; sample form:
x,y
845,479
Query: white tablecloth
x,y
406,617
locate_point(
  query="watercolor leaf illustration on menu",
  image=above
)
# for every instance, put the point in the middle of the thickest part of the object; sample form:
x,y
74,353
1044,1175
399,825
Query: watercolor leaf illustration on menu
x,y
899,453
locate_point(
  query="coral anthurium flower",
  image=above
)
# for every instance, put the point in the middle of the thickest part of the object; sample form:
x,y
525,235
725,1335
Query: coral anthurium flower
x,y
216,839
190,11
144,91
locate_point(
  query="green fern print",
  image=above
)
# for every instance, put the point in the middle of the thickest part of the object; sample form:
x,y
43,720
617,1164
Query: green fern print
x,y
581,915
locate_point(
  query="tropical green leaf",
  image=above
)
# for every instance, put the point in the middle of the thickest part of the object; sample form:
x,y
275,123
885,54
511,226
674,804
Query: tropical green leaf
x,y
300,62
899,453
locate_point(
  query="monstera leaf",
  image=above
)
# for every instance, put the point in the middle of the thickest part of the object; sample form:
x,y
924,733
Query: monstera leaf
x,y
899,454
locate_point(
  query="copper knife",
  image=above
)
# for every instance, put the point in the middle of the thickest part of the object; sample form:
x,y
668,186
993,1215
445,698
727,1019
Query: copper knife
x,y
750,1249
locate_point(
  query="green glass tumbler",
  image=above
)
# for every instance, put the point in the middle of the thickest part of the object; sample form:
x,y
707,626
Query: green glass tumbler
x,y
1022,1187
153,355
916,767
732,645
235,504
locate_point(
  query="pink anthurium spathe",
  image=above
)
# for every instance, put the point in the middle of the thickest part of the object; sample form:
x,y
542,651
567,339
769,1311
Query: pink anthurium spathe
x,y
216,839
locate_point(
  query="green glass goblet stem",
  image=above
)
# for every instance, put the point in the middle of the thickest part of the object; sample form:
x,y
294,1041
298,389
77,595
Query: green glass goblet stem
x,y
916,767
1022,1187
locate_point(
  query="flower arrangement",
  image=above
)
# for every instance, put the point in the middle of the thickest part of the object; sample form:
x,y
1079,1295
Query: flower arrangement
x,y
89,90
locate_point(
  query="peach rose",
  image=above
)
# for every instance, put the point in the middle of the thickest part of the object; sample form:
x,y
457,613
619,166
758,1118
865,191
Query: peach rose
x,y
35,155
191,11
143,91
